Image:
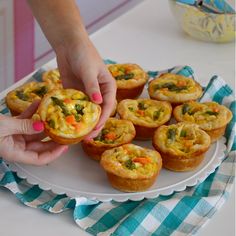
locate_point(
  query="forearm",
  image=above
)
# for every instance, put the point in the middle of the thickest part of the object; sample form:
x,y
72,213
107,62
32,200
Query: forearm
x,y
60,21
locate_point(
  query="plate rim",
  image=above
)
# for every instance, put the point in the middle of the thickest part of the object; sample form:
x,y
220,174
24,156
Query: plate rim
x,y
197,178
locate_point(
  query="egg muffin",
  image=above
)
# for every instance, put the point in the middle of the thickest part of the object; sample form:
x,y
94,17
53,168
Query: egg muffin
x,y
115,133
175,89
68,115
145,114
210,116
130,80
52,76
19,99
131,168
182,146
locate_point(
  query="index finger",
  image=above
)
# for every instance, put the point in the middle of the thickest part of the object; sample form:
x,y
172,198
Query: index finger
x,y
108,90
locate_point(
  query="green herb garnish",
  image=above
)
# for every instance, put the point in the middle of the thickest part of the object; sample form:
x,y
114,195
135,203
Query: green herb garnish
x,y
183,133
41,91
171,134
185,108
156,115
60,103
79,109
171,86
21,95
52,124
141,106
125,77
131,108
129,164
211,113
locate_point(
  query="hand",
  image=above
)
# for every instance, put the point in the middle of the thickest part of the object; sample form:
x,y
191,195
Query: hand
x,y
81,67
20,140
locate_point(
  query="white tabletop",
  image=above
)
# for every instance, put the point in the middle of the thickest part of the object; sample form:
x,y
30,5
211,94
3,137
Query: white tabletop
x,y
147,35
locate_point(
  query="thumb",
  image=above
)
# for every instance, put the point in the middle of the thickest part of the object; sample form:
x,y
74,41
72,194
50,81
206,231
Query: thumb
x,y
10,126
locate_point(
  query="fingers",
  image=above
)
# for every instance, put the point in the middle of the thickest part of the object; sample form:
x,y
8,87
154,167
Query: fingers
x,y
90,83
108,88
38,146
11,125
33,158
28,113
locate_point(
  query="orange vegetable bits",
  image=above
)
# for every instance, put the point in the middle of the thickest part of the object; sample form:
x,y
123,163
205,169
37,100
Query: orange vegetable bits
x,y
71,120
142,160
110,136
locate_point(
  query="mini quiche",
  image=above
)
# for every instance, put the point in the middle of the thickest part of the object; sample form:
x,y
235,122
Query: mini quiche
x,y
145,114
174,88
115,133
22,97
130,80
182,146
68,115
52,76
210,116
131,168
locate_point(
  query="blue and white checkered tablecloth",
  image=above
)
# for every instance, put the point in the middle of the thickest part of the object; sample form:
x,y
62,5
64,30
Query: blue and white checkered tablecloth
x,y
181,213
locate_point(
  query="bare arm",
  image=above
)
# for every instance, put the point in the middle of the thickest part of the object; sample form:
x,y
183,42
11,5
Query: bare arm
x,y
79,63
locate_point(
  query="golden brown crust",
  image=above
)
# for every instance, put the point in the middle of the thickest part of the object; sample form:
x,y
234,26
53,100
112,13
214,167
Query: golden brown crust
x,y
183,149
124,131
130,185
210,116
130,79
19,99
145,114
130,93
174,88
57,109
131,168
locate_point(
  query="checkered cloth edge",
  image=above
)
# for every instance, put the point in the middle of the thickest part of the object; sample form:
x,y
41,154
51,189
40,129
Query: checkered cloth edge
x,y
181,213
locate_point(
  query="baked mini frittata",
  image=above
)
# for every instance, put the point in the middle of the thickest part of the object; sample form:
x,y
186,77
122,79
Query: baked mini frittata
x,y
68,115
130,79
182,145
116,132
174,88
145,114
22,97
52,76
210,116
131,168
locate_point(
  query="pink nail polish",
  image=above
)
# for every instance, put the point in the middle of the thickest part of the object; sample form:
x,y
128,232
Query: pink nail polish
x,y
97,97
65,149
38,126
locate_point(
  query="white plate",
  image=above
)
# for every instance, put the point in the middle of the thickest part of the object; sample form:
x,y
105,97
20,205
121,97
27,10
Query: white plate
x,y
76,175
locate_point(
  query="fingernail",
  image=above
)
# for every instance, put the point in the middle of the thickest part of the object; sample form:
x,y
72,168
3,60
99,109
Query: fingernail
x,y
97,97
38,126
65,149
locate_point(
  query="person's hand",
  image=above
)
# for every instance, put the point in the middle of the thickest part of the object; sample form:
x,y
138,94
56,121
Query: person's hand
x,y
82,68
20,140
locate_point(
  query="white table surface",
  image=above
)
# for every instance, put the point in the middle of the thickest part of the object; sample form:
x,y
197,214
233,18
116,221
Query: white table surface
x,y
147,35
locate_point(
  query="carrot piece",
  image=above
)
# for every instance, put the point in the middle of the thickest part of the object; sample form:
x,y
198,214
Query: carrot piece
x,y
110,136
181,83
188,143
216,109
140,112
67,100
71,119
77,126
142,160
